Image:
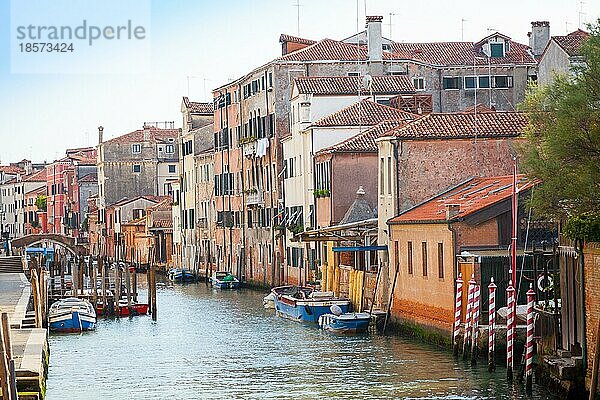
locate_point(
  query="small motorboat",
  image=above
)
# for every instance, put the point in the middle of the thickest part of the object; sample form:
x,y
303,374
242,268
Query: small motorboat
x,y
305,304
125,310
181,275
269,301
224,280
340,322
71,315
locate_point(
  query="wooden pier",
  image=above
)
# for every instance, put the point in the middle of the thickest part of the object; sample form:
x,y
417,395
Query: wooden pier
x,y
27,348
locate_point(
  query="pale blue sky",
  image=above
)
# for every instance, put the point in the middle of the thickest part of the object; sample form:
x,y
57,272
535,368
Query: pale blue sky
x,y
213,41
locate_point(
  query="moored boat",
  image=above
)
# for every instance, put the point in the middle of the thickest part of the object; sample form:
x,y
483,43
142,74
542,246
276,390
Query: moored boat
x,y
269,301
305,304
126,310
71,315
339,322
224,280
181,275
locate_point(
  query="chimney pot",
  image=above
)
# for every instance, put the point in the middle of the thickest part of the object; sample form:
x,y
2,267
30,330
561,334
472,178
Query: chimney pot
x,y
540,35
452,211
360,192
374,40
100,134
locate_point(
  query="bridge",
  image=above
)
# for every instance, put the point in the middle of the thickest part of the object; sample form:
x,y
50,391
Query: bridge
x,y
66,242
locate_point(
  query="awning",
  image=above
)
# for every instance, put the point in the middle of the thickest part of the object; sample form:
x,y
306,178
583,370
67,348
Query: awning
x,y
337,249
352,231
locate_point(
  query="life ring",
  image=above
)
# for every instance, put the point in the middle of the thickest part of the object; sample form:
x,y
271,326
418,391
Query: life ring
x,y
540,282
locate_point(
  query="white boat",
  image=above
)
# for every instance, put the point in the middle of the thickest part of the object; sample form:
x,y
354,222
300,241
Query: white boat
x,y
269,301
71,315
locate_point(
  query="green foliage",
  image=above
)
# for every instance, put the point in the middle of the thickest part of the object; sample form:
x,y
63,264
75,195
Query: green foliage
x,y
321,193
584,227
296,229
562,146
41,203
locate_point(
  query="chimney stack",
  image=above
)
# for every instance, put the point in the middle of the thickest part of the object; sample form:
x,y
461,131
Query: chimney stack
x,y
100,134
374,38
452,211
539,37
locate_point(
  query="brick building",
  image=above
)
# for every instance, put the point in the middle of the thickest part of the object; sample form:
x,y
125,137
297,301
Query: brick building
x,y
427,242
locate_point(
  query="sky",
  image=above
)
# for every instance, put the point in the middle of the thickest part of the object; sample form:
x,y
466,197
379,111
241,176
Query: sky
x,y
196,45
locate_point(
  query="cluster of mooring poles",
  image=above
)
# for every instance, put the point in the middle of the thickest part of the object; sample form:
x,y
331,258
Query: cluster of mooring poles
x,y
471,327
8,376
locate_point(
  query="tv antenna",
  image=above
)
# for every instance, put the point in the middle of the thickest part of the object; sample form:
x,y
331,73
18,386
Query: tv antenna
x,y
298,5
390,24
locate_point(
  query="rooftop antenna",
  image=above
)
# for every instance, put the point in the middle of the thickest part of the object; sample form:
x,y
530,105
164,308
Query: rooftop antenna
x,y
491,29
390,24
567,23
580,13
462,29
298,5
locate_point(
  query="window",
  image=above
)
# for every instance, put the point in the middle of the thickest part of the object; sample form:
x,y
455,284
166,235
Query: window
x,y
451,82
484,82
441,260
170,149
353,73
386,47
496,49
381,175
470,82
137,168
136,148
171,168
501,81
409,258
396,255
419,83
424,251
389,173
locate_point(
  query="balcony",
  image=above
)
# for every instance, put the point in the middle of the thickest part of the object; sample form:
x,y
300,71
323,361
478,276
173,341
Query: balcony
x,y
254,197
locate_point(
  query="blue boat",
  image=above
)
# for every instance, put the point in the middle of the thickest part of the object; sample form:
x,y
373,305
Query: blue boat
x,y
305,304
181,275
224,280
71,315
345,322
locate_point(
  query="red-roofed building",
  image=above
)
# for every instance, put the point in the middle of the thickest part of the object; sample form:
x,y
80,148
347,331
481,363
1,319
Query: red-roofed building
x,y
429,241
252,114
561,54
138,163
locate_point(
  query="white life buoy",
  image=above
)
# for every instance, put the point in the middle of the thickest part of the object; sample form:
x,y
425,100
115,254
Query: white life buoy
x,y
540,282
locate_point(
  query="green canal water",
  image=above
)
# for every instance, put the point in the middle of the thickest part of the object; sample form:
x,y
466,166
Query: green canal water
x,y
210,344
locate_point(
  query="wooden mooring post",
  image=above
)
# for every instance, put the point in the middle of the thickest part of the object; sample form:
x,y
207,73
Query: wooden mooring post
x,y
153,289
104,298
7,375
117,295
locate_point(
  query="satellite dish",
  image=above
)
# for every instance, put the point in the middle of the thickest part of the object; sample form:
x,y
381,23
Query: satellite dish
x,y
367,82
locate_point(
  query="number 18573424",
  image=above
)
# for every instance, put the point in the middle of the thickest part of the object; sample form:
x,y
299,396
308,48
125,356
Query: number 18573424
x,y
43,47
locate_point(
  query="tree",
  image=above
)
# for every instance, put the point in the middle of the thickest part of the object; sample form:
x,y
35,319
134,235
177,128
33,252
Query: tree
x,y
562,142
40,202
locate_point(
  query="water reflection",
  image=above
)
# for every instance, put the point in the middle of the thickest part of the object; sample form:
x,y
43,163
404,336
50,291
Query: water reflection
x,y
222,344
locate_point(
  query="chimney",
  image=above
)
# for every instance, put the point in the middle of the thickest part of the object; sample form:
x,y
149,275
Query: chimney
x,y
146,133
360,192
452,211
540,35
374,39
100,134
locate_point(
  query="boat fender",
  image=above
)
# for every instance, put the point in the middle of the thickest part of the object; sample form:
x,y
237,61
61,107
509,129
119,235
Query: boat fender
x,y
308,310
336,310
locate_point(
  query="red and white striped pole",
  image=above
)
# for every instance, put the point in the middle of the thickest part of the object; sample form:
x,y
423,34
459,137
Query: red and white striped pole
x,y
510,329
492,327
476,296
467,340
529,342
457,311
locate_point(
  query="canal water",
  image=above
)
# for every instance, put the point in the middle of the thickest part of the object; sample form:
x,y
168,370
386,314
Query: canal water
x,y
210,344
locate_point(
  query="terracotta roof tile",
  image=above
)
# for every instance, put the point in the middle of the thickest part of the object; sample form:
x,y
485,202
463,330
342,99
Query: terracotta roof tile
x,y
462,125
11,169
165,205
335,85
197,107
470,197
89,178
572,42
365,113
283,38
328,49
363,142
38,191
155,135
39,176
459,53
